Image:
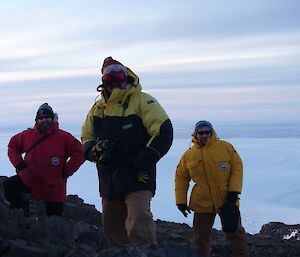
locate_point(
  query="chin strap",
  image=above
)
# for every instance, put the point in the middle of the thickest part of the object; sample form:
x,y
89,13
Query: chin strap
x,y
99,88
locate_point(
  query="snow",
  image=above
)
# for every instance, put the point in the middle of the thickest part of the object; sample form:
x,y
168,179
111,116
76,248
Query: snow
x,y
292,234
271,190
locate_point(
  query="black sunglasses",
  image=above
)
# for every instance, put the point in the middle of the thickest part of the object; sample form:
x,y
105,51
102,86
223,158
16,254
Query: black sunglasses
x,y
44,117
203,132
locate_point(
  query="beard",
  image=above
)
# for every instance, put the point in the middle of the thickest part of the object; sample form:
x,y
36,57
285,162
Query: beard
x,y
44,125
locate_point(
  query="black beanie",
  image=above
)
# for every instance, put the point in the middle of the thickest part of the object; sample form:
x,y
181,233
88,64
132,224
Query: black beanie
x,y
203,123
45,109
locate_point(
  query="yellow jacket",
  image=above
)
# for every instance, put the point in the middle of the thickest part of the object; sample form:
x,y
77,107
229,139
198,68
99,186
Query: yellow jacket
x,y
215,169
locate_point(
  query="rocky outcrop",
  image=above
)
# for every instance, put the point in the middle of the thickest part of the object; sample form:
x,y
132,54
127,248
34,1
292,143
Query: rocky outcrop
x,y
166,250
280,231
79,233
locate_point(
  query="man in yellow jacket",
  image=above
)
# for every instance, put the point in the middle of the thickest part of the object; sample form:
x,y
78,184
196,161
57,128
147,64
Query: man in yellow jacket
x,y
125,133
217,171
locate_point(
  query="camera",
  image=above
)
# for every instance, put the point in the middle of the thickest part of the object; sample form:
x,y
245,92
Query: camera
x,y
105,149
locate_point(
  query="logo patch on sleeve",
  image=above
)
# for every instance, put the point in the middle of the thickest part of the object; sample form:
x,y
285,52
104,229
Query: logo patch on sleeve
x,y
55,161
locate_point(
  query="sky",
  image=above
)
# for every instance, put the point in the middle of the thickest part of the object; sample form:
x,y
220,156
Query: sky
x,y
224,61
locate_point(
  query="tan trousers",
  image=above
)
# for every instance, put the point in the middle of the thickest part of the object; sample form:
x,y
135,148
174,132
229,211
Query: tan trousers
x,y
129,219
202,227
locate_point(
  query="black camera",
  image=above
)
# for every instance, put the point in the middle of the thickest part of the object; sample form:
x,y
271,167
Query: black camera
x,y
105,149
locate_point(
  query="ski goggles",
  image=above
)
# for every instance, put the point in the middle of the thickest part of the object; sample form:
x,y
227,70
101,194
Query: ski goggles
x,y
114,76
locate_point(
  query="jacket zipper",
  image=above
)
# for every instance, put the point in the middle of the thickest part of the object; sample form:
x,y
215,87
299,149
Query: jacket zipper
x,y
205,170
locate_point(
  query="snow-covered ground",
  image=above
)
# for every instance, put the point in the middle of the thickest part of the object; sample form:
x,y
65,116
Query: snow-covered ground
x,y
271,190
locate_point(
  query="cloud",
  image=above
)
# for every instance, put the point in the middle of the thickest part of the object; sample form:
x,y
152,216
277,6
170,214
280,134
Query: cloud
x,y
200,56
45,74
218,59
244,103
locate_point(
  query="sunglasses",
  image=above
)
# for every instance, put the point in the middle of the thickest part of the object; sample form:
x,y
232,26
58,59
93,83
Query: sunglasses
x,y
44,117
206,132
114,76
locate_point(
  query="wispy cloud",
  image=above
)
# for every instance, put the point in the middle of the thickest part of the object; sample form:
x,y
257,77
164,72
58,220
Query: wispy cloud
x,y
221,60
244,103
234,53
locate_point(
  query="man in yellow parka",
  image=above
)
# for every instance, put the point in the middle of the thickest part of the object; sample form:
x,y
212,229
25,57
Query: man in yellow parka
x,y
126,132
217,171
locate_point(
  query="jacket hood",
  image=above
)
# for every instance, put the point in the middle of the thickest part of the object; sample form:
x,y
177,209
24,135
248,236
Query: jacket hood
x,y
210,141
120,95
136,80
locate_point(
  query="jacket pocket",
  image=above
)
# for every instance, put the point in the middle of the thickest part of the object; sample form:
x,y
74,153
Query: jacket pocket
x,y
194,168
201,197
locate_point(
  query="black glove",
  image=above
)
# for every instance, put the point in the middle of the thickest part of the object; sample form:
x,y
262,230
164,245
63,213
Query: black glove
x,y
88,151
65,175
22,165
92,152
143,177
184,209
232,197
230,217
103,152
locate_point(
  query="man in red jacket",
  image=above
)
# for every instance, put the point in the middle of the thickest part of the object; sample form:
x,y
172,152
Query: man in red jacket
x,y
51,156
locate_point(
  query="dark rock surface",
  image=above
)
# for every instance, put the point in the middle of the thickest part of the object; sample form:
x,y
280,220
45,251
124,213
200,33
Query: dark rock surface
x,y
79,233
280,230
166,250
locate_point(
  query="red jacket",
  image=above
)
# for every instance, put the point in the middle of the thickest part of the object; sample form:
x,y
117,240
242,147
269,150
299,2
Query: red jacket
x,y
59,154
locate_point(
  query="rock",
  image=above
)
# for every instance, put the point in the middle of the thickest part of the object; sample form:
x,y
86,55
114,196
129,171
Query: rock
x,y
165,250
173,233
281,231
4,246
79,233
22,248
83,250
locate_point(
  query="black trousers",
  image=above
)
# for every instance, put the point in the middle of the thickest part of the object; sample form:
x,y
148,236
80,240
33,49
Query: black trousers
x,y
14,190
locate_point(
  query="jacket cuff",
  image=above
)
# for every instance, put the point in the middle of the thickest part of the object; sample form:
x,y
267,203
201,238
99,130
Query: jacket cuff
x,y
20,166
66,175
87,147
147,159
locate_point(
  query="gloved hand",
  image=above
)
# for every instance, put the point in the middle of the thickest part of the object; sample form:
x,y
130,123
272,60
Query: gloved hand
x,y
143,177
232,197
88,151
230,217
22,165
95,152
184,209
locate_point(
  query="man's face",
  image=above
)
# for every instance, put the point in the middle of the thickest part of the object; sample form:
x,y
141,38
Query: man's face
x,y
203,134
44,122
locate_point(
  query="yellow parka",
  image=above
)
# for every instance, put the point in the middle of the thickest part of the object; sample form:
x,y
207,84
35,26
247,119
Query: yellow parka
x,y
215,169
